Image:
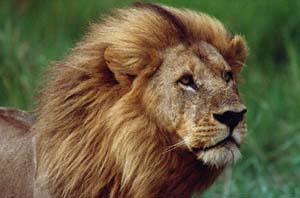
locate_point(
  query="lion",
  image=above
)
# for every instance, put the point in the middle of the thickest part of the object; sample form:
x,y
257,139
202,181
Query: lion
x,y
146,105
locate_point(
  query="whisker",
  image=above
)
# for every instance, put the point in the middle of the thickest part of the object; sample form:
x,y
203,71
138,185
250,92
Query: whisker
x,y
174,146
201,129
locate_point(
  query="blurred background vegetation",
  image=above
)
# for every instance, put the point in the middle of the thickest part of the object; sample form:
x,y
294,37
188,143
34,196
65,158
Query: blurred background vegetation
x,y
35,32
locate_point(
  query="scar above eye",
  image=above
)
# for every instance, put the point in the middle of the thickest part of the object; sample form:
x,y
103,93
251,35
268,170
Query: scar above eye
x,y
210,55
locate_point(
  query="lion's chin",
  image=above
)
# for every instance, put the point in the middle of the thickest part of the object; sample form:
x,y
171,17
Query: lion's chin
x,y
220,156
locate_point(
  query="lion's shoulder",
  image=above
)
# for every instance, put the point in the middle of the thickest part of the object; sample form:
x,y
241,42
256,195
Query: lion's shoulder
x,y
14,122
16,153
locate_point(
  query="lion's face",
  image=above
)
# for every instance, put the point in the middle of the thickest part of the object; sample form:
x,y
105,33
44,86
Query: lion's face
x,y
196,99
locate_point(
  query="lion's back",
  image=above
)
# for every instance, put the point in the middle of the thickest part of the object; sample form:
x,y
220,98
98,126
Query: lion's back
x,y
16,154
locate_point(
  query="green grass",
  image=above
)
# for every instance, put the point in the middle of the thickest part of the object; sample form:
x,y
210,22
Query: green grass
x,y
36,32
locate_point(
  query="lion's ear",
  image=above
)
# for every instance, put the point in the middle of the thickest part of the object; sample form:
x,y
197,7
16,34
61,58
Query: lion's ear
x,y
123,64
237,53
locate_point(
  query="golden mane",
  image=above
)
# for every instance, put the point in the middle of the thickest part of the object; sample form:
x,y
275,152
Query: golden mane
x,y
95,138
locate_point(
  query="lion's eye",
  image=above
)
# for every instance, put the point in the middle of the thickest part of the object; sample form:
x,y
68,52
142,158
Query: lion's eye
x,y
187,80
228,76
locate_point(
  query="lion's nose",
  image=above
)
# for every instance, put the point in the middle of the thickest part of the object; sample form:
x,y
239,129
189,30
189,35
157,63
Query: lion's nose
x,y
230,118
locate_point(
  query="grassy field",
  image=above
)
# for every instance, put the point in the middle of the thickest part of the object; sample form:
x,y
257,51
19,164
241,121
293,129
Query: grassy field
x,y
33,33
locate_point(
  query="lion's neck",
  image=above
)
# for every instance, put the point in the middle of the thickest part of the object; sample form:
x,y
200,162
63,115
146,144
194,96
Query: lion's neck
x,y
177,176
145,169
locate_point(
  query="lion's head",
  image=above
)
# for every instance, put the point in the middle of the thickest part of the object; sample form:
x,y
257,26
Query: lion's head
x,y
194,95
148,92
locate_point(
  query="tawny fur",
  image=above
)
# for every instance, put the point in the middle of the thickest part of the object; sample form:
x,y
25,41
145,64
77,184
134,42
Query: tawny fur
x,y
96,137
16,154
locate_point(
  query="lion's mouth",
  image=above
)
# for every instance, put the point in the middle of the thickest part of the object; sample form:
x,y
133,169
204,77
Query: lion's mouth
x,y
228,140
